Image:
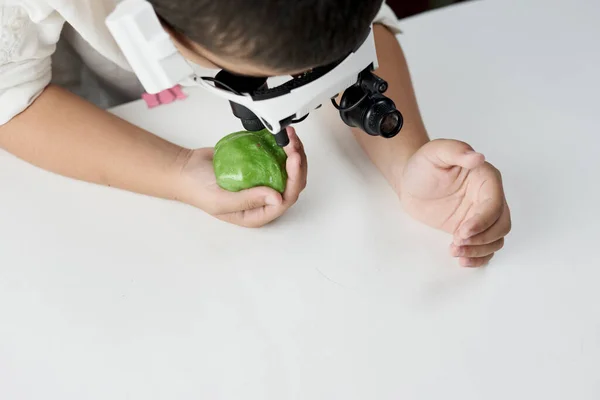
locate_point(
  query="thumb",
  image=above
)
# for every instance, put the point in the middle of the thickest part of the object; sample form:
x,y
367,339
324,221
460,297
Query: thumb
x,y
445,153
249,199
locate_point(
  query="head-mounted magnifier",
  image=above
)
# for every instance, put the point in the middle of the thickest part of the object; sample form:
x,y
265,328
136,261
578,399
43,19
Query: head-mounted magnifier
x,y
159,66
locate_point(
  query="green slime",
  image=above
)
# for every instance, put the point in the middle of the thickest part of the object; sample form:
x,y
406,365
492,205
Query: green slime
x,y
244,160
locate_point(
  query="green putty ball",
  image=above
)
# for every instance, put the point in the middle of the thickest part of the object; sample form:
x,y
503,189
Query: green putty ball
x,y
244,160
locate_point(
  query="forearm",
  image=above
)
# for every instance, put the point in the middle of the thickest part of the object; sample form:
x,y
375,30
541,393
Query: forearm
x,y
64,134
390,155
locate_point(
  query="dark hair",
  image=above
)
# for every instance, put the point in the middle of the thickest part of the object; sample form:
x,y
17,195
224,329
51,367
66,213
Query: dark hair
x,y
278,34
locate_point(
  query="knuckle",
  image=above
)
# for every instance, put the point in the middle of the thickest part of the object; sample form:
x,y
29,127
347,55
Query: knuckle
x,y
246,205
297,146
249,204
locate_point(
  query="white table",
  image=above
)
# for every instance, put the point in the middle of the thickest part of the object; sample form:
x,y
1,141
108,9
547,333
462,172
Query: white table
x,y
111,295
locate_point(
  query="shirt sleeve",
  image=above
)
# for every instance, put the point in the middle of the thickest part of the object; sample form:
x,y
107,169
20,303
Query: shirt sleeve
x,y
387,17
28,37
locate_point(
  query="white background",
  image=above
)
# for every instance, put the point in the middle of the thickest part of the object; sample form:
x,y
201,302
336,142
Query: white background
x,y
110,295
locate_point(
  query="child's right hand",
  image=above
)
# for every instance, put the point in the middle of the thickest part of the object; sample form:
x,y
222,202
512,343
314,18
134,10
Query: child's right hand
x,y
251,208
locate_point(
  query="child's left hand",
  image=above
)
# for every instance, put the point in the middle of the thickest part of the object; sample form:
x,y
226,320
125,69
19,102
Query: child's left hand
x,y
448,186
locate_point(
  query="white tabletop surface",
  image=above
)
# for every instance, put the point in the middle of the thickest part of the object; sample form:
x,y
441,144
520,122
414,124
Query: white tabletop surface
x,y
110,295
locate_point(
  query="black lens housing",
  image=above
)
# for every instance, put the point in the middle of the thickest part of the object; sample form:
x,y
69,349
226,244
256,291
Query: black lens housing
x,y
242,84
373,112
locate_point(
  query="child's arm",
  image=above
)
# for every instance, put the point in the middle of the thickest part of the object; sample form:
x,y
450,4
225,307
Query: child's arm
x,y
443,183
390,155
63,133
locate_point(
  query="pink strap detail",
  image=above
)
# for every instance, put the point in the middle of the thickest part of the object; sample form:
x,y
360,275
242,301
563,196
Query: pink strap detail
x,y
165,97
151,100
178,92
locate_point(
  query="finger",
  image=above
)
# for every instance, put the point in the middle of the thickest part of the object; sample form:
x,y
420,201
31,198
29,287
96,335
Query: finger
x,y
498,230
487,209
229,202
254,218
295,144
485,215
295,167
475,262
303,160
450,153
476,251
295,139
296,178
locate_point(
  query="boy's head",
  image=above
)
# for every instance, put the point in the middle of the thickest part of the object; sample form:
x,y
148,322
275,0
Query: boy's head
x,y
267,37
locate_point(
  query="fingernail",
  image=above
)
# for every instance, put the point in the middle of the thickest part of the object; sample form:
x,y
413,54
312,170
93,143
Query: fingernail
x,y
466,262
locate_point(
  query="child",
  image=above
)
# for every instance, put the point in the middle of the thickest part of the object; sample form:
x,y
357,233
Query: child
x,y
443,183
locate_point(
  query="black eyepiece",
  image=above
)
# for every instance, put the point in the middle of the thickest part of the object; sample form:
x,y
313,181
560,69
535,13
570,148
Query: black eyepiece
x,y
391,123
374,113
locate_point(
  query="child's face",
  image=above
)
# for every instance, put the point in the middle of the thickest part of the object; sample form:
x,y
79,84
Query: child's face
x,y
200,56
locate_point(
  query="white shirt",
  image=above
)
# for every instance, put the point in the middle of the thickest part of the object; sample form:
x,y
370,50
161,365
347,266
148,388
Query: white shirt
x,y
67,42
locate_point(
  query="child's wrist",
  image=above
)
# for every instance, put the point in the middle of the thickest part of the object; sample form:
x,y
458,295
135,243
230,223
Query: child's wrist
x,y
410,146
180,181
